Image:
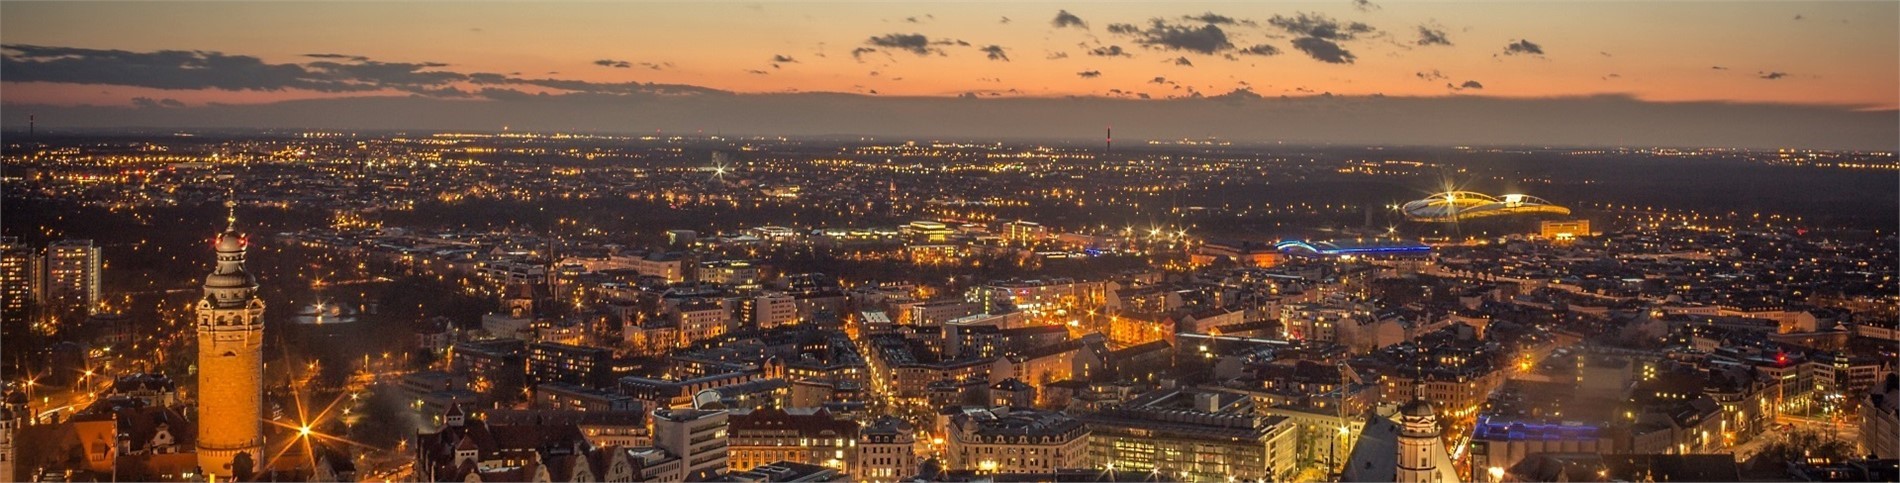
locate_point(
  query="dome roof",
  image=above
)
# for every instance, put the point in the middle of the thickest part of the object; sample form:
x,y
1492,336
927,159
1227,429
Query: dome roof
x,y
230,271
231,241
1417,407
238,279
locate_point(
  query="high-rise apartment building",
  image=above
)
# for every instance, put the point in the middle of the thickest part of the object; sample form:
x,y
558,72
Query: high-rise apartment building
x,y
19,271
71,278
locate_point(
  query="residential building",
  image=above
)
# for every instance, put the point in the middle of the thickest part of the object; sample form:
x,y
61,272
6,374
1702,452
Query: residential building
x,y
1011,440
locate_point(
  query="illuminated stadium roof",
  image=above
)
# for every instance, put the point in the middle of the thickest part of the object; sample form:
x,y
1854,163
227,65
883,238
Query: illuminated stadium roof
x,y
1373,246
1465,205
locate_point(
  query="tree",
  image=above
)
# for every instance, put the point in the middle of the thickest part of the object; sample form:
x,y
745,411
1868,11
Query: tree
x,y
242,468
1801,445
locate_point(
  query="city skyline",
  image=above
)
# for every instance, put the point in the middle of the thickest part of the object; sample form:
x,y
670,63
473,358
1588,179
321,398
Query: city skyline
x,y
704,308
1553,73
1415,241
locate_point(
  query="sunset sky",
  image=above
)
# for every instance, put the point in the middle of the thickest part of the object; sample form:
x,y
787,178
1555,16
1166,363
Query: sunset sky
x,y
1839,57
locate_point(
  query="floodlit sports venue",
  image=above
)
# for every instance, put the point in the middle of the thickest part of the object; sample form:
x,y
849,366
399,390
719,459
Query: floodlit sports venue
x,y
1374,246
1465,205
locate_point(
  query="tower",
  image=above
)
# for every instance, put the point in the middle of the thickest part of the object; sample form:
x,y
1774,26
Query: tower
x,y
1419,446
230,359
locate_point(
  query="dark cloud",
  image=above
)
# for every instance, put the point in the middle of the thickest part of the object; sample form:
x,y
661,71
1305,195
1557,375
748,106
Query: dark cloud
x,y
1182,61
1089,74
1108,51
1525,47
164,69
1470,84
617,64
1216,19
1798,17
393,75
913,43
1323,50
1057,55
490,78
1717,67
757,72
1205,39
1123,28
1430,75
1319,26
357,58
193,70
1158,80
1238,94
1004,20
858,53
498,94
1319,35
656,66
1771,75
150,103
995,52
1432,36
199,70
783,59
1364,5
619,88
1065,19
442,92
1261,50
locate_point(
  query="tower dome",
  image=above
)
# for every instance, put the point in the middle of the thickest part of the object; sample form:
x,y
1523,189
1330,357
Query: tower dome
x,y
229,277
1417,407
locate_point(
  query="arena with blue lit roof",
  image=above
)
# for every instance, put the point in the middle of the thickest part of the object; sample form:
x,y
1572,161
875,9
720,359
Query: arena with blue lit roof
x,y
1452,206
1353,247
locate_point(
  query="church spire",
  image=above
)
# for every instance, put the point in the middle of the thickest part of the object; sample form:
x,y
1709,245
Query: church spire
x,y
230,209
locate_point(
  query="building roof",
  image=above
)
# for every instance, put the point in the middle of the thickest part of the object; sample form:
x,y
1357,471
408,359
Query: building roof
x,y
814,423
1416,407
1626,467
1375,457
